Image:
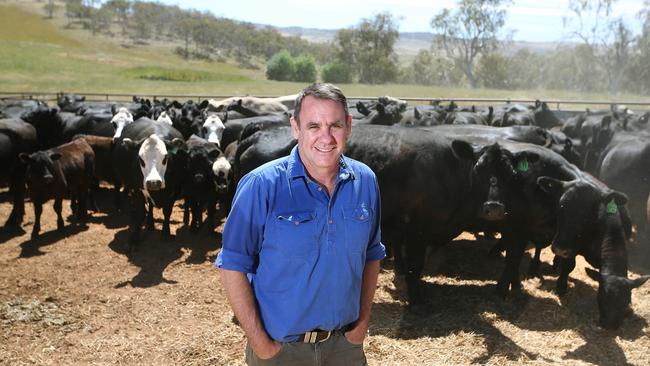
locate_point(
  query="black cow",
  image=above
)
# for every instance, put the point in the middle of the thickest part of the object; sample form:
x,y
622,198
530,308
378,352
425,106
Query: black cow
x,y
208,172
623,166
150,161
51,173
89,124
48,124
234,128
16,108
593,222
71,103
16,137
422,115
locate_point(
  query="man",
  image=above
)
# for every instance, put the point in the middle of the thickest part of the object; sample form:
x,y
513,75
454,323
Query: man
x,y
301,246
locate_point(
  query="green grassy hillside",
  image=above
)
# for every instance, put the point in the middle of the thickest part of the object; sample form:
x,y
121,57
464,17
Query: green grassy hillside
x,y
39,54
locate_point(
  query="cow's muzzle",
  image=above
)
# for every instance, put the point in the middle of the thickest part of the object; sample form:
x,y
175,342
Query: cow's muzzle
x,y
494,211
154,185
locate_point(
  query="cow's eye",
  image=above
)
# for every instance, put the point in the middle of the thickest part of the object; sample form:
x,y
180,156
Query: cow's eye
x,y
142,164
164,161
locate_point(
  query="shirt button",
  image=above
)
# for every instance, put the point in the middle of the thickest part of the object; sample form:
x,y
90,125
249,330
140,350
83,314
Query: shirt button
x,y
296,222
320,188
361,217
330,221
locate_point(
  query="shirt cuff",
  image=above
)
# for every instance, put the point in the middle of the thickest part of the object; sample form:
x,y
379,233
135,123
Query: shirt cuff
x,y
376,252
228,259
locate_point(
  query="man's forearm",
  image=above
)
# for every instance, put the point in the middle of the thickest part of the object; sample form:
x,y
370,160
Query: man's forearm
x,y
240,296
368,287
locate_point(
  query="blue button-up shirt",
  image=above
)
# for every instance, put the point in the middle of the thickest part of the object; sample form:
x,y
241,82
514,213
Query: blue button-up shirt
x,y
304,251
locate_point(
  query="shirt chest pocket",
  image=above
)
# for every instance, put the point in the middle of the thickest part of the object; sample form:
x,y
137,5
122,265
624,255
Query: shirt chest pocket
x,y
294,234
358,221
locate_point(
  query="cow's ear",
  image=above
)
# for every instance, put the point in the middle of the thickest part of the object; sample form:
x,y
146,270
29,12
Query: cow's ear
x,y
380,108
531,157
544,106
55,156
214,153
113,109
416,113
25,158
177,104
550,185
204,104
129,144
225,117
178,142
618,197
593,274
638,281
462,149
135,99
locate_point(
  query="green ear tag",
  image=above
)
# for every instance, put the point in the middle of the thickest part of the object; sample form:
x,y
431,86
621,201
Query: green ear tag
x,y
522,166
611,207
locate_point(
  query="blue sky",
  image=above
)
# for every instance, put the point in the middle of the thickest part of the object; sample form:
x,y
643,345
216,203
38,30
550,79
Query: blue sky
x,y
532,20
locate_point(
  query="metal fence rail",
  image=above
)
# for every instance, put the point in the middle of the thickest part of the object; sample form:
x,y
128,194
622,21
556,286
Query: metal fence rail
x,y
50,96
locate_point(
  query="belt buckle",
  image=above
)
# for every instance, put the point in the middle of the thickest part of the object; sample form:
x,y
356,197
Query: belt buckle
x,y
312,337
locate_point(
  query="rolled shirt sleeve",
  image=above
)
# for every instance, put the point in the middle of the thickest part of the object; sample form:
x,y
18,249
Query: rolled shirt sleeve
x,y
244,228
376,250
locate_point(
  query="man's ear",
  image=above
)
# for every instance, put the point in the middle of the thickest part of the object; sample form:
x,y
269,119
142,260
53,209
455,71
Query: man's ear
x,y
295,128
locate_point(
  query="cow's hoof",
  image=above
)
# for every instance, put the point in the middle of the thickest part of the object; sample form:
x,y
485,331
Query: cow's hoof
x,y
560,290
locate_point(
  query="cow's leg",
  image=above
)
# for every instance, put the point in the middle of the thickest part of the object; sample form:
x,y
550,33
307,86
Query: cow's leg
x,y
211,220
196,215
17,189
150,224
566,267
82,209
167,212
535,262
415,252
137,217
515,246
58,206
186,211
38,210
117,195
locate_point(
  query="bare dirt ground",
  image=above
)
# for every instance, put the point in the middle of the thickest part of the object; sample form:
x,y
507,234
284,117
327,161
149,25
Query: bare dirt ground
x,y
79,298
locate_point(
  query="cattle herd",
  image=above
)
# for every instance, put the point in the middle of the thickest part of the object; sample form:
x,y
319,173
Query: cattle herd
x,y
578,181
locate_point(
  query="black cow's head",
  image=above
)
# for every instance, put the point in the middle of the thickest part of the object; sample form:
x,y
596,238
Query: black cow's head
x,y
614,297
581,208
492,173
41,169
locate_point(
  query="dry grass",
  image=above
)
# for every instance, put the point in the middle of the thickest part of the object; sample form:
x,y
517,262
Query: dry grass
x,y
78,298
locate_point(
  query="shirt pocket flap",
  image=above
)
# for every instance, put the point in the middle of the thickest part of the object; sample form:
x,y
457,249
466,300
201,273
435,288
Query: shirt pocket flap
x,y
360,214
296,218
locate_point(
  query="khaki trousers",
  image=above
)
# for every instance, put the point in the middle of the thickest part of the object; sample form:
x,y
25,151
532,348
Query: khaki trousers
x,y
336,351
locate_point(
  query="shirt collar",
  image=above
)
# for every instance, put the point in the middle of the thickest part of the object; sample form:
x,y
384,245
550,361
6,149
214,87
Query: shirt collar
x,y
297,169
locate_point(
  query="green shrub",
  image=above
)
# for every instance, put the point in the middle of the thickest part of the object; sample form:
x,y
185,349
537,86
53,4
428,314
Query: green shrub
x,y
280,67
337,73
305,69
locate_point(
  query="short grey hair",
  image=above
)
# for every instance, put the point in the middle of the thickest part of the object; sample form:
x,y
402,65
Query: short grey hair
x,y
325,91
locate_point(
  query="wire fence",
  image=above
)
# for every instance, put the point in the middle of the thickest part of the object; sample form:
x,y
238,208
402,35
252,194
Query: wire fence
x,y
558,104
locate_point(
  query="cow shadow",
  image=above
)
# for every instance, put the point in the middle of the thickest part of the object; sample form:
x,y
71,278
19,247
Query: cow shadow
x,y
153,255
31,247
8,233
199,243
450,309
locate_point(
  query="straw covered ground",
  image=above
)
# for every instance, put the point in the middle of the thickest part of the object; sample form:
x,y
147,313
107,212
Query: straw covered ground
x,y
79,298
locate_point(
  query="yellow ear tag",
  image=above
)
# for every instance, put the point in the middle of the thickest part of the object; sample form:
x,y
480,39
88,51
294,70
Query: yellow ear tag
x,y
611,207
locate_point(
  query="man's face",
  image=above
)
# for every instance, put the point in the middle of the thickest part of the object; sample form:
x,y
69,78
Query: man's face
x,y
321,134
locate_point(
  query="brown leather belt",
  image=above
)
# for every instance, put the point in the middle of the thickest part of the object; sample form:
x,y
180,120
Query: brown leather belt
x,y
317,335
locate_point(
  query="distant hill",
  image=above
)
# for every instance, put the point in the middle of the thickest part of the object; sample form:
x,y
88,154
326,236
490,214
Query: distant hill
x,y
409,43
